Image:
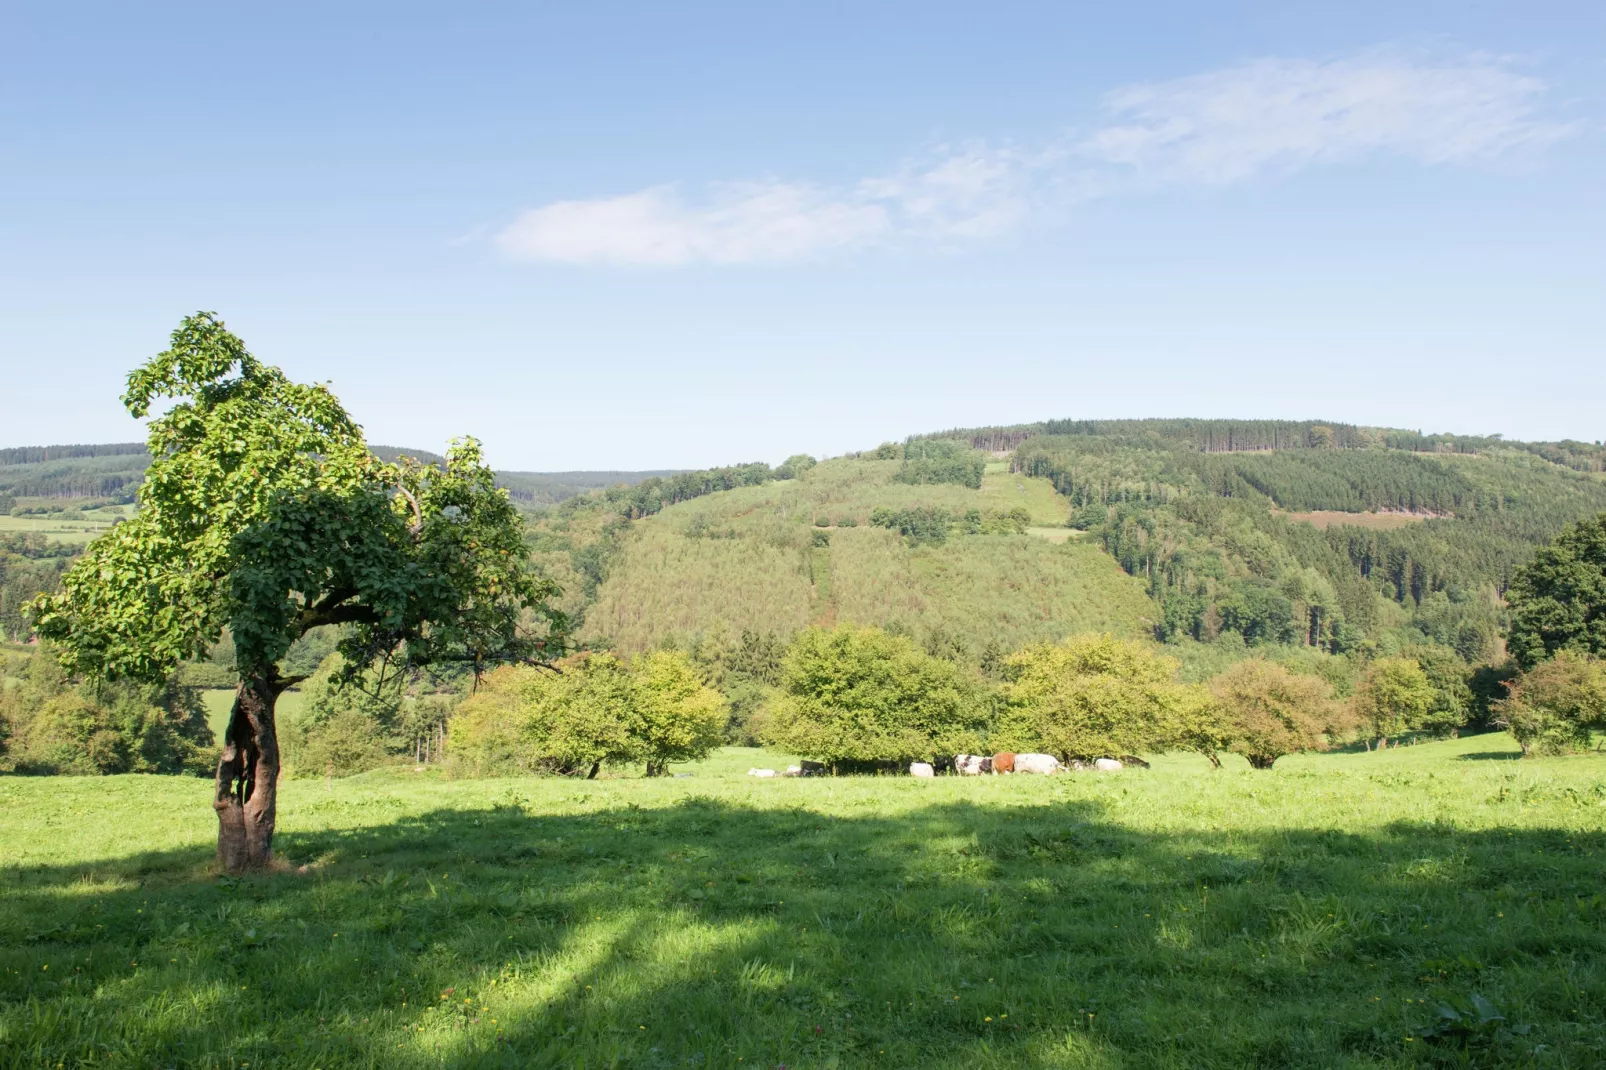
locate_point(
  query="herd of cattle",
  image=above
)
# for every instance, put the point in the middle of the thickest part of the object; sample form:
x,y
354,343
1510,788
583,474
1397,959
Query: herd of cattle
x,y
969,765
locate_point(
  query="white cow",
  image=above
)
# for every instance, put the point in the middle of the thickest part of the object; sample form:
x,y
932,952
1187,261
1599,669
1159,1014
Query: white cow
x,y
921,769
761,772
1107,765
972,764
1037,763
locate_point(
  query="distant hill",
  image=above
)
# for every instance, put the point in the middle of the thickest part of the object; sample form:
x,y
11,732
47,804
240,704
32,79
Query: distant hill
x,y
1213,534
111,472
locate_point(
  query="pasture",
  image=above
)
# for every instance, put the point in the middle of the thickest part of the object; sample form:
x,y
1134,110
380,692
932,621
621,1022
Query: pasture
x,y
1320,914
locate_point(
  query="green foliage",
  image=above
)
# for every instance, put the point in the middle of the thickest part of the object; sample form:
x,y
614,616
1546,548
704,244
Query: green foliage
x,y
675,718
1093,696
264,511
860,695
1394,698
936,460
795,465
1558,600
596,710
55,727
1263,711
30,566
1553,707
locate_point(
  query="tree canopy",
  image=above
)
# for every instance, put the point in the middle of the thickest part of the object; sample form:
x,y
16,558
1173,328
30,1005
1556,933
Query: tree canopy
x,y
1558,600
264,511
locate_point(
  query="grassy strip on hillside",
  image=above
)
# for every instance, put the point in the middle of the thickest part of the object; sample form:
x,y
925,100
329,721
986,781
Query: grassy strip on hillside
x,y
1318,915
752,558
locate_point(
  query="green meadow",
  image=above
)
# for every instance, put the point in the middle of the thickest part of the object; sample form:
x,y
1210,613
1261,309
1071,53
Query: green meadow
x,y
1432,905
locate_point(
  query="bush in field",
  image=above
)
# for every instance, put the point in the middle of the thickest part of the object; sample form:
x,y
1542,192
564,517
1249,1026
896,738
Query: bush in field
x,y
1093,696
860,695
1263,711
341,744
595,710
675,718
1395,697
1555,706
57,727
795,466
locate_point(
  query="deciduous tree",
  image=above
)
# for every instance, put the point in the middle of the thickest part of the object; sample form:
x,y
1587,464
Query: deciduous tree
x,y
1264,711
1558,600
264,511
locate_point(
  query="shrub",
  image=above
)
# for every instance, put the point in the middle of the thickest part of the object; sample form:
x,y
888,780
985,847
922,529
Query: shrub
x,y
1395,697
795,465
675,717
1093,696
595,710
860,695
1263,711
1558,600
1555,706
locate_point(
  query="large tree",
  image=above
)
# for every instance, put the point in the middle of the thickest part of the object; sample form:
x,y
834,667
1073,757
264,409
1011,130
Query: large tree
x,y
263,511
1558,600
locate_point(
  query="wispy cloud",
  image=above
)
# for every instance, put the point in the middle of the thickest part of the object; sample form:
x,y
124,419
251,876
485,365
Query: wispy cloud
x,y
1230,124
1224,126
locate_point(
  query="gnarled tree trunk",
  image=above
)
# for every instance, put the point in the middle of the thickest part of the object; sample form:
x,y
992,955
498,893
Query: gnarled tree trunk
x,y
248,775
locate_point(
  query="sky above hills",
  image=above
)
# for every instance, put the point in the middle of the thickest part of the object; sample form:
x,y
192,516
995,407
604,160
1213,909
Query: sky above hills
x,y
649,235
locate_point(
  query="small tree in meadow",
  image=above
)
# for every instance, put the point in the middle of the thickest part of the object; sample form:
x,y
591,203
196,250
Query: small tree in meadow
x,y
860,695
1093,696
1553,708
1395,697
1264,711
264,512
592,710
676,718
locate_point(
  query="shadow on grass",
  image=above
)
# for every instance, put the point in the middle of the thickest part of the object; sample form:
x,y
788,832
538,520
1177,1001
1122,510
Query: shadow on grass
x,y
705,934
1490,756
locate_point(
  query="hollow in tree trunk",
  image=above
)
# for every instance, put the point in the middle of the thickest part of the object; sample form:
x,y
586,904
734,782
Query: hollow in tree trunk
x,y
247,775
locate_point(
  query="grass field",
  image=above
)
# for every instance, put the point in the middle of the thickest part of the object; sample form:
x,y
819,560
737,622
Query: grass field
x,y
94,522
1322,519
1317,915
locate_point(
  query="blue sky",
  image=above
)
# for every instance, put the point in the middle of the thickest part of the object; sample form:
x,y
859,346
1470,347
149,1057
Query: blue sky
x,y
630,236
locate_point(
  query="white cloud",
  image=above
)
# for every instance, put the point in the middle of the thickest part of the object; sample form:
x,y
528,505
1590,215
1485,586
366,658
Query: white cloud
x,y
1227,125
1220,127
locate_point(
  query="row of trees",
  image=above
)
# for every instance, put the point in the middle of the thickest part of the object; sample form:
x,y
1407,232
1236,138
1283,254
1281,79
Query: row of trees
x,y
851,695
933,524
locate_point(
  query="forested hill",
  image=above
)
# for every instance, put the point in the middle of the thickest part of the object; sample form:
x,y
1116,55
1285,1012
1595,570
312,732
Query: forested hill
x,y
109,473
1339,540
1234,436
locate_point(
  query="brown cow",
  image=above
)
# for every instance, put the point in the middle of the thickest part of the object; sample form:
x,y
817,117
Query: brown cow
x,y
1003,762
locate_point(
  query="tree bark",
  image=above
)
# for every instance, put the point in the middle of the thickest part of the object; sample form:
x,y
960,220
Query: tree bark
x,y
246,793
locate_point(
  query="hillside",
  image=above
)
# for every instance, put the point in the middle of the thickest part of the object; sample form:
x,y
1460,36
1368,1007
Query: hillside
x,y
47,480
779,556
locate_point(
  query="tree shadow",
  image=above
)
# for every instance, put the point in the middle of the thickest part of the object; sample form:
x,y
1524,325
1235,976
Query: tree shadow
x,y
1041,934
1491,756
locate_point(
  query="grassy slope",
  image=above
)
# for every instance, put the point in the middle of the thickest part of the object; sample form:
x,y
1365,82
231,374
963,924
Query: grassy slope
x,y
753,566
1312,916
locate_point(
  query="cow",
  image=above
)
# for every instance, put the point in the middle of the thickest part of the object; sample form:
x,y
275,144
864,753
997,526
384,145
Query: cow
x,y
813,768
972,764
921,769
1003,762
1107,765
761,772
1036,763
